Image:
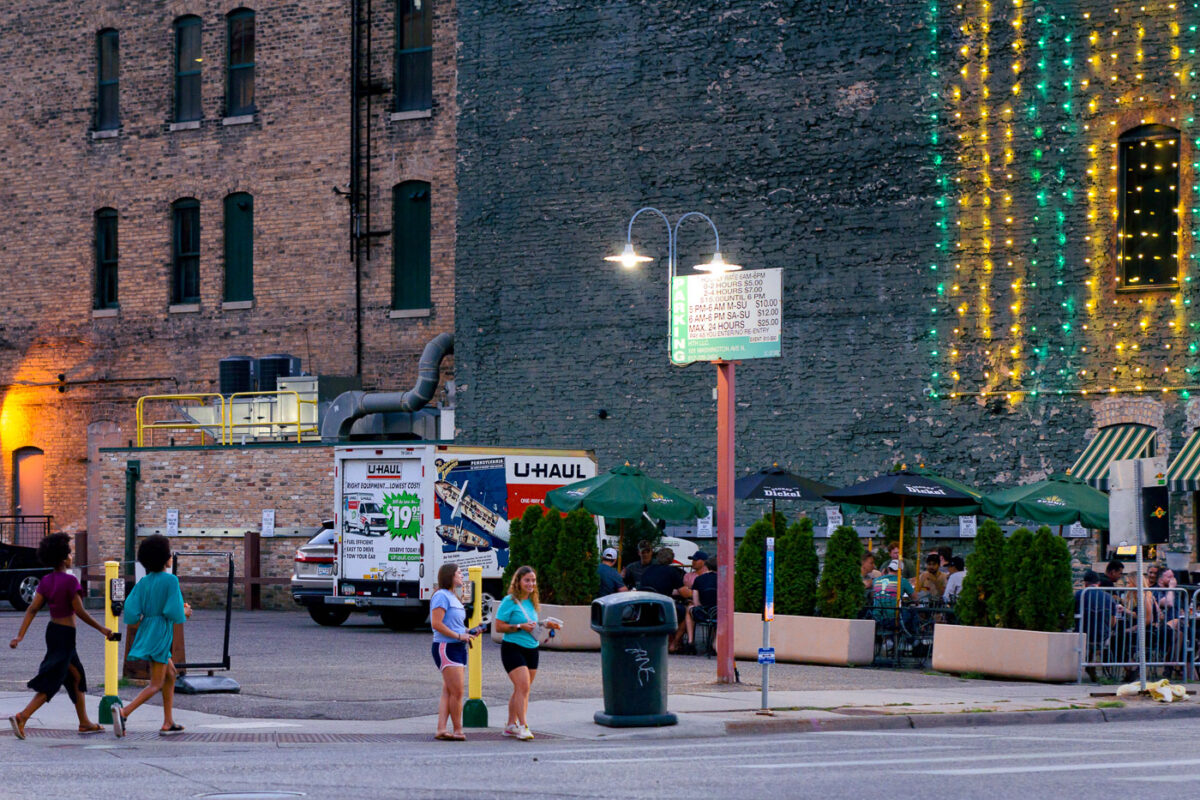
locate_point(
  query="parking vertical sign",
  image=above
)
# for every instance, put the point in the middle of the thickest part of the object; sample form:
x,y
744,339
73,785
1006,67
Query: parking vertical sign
x,y
769,583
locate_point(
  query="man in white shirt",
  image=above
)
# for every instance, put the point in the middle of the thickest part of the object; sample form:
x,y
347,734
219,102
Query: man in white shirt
x,y
954,580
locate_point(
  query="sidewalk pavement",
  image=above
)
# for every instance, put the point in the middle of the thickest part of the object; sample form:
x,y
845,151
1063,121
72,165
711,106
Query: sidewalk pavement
x,y
707,714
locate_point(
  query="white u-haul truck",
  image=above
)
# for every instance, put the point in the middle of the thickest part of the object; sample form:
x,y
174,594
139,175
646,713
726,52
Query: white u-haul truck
x,y
402,511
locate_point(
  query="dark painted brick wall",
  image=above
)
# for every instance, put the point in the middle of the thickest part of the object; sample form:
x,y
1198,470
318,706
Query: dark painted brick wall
x,y
805,130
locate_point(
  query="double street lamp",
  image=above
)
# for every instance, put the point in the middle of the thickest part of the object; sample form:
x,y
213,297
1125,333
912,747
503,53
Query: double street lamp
x,y
629,259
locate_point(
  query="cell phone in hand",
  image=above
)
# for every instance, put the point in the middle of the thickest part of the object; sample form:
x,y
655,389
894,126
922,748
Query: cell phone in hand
x,y
477,630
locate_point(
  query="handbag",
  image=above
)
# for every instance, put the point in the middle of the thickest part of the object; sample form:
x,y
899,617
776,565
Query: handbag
x,y
542,632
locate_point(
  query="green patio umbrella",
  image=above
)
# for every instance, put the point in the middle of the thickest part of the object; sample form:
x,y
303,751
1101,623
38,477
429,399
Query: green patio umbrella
x,y
626,493
1058,500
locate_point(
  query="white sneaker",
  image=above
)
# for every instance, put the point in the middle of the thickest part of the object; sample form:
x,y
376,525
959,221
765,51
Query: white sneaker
x,y
525,734
513,730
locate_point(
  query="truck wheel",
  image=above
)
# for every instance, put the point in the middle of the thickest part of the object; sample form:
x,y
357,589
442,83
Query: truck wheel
x,y
22,590
330,617
402,619
490,604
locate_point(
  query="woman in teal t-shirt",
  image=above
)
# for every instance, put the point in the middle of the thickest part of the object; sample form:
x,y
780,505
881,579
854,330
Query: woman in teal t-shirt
x,y
517,619
156,606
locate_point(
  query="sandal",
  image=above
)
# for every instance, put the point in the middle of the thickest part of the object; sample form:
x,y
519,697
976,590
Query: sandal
x,y
171,731
118,723
93,728
458,737
444,737
18,727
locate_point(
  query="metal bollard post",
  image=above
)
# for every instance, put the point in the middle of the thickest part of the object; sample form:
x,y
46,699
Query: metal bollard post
x,y
111,649
474,711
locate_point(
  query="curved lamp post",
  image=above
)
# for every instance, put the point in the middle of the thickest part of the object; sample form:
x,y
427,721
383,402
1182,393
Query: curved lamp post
x,y
629,258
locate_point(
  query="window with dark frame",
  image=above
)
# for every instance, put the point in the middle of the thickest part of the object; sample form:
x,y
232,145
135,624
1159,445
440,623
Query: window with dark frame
x,y
185,245
187,69
414,55
239,247
410,245
108,115
106,259
239,82
1148,214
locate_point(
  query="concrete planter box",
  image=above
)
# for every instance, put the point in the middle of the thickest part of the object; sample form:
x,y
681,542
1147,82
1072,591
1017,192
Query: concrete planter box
x,y
576,633
807,640
1004,653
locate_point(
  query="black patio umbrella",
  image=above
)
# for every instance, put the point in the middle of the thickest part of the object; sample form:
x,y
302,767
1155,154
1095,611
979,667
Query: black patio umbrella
x,y
896,490
775,483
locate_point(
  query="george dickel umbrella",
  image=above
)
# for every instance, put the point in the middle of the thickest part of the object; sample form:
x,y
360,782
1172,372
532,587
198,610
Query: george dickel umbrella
x,y
1059,500
774,483
919,511
626,493
897,490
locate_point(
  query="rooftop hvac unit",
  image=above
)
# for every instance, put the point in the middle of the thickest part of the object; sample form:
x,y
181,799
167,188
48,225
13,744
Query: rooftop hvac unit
x,y
272,368
238,374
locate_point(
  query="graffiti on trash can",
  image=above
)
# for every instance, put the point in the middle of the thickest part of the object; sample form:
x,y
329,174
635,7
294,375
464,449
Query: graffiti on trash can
x,y
643,663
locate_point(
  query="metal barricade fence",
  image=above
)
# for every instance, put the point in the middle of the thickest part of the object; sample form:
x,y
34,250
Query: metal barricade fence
x,y
1107,617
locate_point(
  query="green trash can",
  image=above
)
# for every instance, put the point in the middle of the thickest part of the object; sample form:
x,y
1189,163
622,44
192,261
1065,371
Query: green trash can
x,y
634,628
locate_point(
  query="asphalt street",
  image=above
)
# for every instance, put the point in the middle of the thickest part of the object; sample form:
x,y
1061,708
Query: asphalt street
x,y
290,667
1061,761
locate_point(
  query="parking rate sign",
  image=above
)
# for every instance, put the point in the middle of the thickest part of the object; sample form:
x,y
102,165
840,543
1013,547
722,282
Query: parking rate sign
x,y
726,316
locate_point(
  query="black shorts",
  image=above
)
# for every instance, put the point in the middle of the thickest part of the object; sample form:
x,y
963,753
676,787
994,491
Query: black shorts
x,y
513,656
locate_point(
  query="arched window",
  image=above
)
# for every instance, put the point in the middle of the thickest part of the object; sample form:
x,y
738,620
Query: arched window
x,y
410,245
1148,221
106,258
239,247
414,55
187,69
108,116
239,77
185,246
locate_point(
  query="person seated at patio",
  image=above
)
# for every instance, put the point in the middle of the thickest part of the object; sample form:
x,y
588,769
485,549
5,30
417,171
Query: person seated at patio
x,y
931,583
1097,612
1114,574
704,599
869,573
665,578
883,593
945,554
954,581
611,581
1169,602
633,572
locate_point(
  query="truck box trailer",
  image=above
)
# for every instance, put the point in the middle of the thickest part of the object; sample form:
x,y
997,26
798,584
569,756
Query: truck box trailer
x,y
404,510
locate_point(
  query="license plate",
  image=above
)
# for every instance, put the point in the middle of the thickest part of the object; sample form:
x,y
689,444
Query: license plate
x,y
324,569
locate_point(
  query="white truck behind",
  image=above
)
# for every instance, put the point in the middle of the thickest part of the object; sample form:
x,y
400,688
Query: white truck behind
x,y
402,511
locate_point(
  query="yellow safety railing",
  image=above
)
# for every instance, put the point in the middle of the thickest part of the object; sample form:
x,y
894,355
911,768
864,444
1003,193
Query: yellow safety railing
x,y
143,426
230,424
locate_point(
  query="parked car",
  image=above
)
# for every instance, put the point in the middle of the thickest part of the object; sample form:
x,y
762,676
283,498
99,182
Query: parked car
x,y
21,574
314,571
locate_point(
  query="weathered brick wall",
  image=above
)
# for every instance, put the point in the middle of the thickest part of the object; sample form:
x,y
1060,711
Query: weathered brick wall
x,y
215,489
54,175
856,146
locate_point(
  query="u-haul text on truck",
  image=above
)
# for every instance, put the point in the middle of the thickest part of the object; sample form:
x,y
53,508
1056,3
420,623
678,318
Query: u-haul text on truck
x,y
402,511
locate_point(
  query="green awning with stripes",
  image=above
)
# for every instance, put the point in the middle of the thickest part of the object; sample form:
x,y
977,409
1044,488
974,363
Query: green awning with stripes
x,y
1184,473
1113,443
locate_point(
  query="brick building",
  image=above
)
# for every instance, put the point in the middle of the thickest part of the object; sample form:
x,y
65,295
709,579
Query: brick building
x,y
183,181
984,212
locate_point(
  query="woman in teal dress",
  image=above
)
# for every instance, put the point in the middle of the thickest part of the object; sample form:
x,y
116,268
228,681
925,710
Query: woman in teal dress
x,y
156,606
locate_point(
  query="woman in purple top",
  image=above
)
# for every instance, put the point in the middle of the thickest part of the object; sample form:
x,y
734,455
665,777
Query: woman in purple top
x,y
61,667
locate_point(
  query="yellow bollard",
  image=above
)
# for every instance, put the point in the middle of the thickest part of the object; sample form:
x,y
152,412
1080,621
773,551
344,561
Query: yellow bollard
x,y
474,711
112,654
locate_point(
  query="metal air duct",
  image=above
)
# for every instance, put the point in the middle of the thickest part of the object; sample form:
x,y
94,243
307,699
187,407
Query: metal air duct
x,y
351,406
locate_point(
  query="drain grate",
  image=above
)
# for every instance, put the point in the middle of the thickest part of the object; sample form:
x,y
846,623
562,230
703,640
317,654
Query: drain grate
x,y
273,737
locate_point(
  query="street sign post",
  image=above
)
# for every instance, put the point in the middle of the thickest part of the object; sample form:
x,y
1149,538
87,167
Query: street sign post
x,y
766,654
